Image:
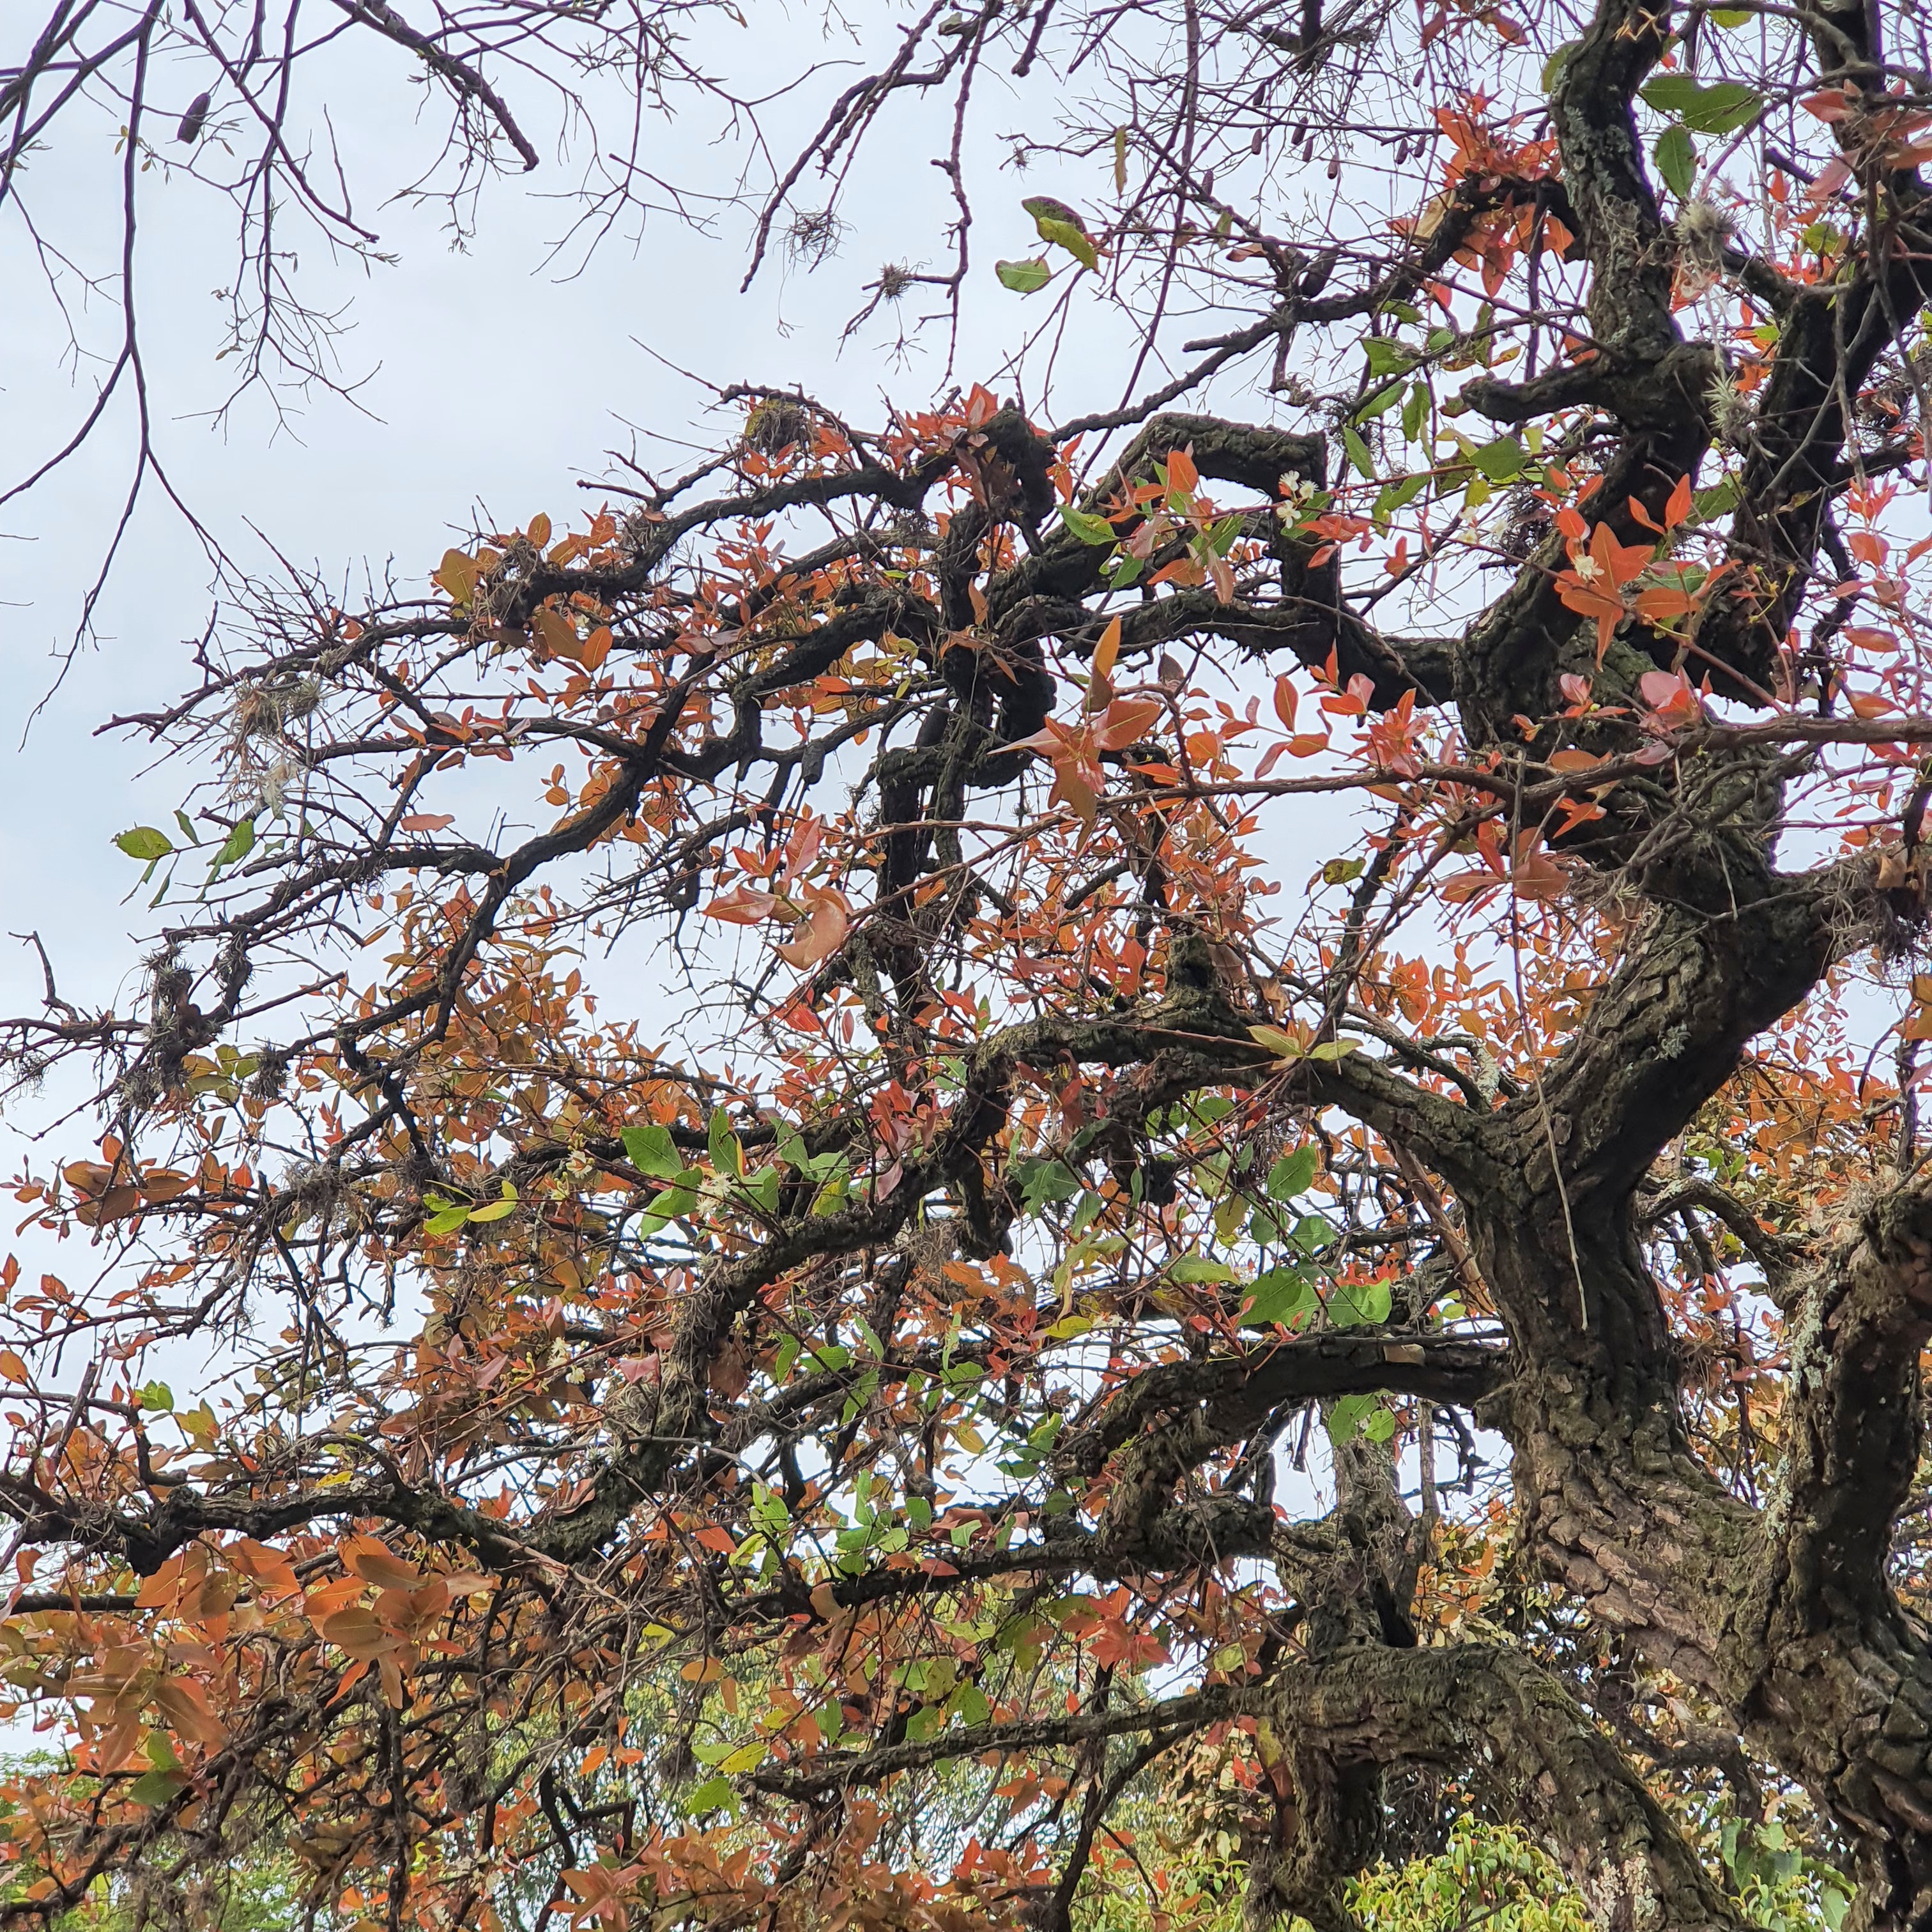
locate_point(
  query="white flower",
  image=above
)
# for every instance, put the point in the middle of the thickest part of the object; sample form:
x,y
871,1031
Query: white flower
x,y
1296,489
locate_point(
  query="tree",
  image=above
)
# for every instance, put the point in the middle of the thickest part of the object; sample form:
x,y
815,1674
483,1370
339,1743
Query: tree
x,y
652,1457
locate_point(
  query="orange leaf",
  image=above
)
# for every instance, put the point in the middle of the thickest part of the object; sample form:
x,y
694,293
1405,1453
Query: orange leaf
x,y
1181,473
1107,649
1537,876
823,931
268,1567
355,1631
556,633
457,574
1126,721
188,1711
1622,563
115,1205
376,1563
160,1590
743,905
1587,600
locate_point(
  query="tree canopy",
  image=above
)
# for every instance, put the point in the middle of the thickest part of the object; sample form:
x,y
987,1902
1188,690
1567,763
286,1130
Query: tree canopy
x,y
771,1113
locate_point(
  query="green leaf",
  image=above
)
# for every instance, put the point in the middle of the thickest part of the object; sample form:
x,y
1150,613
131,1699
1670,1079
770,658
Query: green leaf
x,y
1292,1173
145,842
1501,460
652,1151
1341,871
447,1221
1280,1295
159,1397
727,1154
1045,1180
1552,68
1313,1233
1414,411
1333,1050
1387,358
1380,1424
1719,500
1359,1305
969,1705
1283,1046
157,1787
715,1794
1358,453
1396,496
189,836
237,845
1088,527
1676,158
1347,1416
1729,17
763,1188
1722,108
1192,1269
1074,240
668,1202
498,1210
1025,278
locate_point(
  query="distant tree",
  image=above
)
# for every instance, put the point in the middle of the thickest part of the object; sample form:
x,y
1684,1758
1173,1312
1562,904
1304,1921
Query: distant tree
x,y
771,1104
